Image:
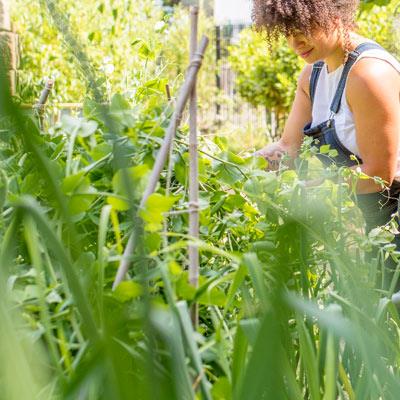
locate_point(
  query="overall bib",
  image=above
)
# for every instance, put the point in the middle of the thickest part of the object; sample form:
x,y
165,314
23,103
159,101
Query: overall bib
x,y
378,207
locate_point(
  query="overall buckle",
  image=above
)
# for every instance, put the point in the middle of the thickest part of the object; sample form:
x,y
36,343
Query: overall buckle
x,y
330,119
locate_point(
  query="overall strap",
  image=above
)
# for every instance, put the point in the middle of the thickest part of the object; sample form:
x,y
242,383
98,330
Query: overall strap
x,y
316,71
335,106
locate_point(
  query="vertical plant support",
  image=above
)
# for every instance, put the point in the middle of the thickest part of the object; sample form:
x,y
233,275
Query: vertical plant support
x,y
39,107
9,56
162,155
193,170
217,73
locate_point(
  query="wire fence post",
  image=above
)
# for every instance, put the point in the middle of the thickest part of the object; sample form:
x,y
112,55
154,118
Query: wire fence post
x,y
217,73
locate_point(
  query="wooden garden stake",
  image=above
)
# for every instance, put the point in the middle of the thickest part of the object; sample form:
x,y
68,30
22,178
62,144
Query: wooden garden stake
x,y
39,107
193,171
169,173
162,155
168,91
9,54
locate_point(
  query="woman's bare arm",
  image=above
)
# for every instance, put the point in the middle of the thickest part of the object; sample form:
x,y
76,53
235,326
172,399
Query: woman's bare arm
x,y
372,93
300,114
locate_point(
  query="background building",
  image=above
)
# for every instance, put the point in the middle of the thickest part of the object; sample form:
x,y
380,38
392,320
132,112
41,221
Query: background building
x,y
236,12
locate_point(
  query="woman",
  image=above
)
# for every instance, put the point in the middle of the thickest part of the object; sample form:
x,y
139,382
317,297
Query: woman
x,y
347,95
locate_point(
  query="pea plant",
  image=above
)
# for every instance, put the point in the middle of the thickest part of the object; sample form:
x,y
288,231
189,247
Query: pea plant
x,y
289,304
286,291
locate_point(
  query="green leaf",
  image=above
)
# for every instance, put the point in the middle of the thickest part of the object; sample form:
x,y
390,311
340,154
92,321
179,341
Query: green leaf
x,y
325,149
145,52
119,103
308,358
331,368
127,290
264,245
100,151
80,203
235,158
228,174
3,188
152,241
288,176
240,349
157,85
82,194
152,213
117,203
81,126
135,176
240,276
333,153
174,268
73,182
213,297
184,289
222,389
261,182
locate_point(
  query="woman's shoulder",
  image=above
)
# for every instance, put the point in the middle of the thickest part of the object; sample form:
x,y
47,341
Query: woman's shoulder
x,y
375,57
372,78
375,67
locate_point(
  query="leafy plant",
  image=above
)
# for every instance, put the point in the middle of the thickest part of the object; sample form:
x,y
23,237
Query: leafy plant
x,y
268,77
265,77
289,307
152,52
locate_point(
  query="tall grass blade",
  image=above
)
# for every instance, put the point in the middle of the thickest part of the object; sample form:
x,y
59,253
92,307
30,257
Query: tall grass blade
x,y
309,359
32,208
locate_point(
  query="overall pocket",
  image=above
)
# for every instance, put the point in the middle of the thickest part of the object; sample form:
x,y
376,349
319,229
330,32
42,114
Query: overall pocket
x,y
325,134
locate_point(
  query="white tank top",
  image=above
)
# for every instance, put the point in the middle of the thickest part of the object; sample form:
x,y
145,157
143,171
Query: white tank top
x,y
324,93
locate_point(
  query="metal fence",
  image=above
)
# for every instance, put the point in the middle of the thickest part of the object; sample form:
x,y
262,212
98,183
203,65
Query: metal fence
x,y
230,108
227,108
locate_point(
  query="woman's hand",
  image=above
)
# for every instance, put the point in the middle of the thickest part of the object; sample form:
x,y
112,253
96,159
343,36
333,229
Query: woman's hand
x,y
292,136
273,153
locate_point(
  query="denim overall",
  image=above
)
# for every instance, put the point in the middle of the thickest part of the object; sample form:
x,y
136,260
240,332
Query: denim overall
x,y
378,207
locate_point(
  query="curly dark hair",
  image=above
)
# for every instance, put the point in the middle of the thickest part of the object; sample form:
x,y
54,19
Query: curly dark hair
x,y
285,17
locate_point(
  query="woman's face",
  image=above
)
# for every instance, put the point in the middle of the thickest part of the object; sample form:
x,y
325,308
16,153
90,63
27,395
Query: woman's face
x,y
315,47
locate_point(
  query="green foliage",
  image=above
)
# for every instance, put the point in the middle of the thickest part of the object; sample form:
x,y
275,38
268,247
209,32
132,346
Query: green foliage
x,y
268,77
287,299
369,4
134,48
270,248
379,24
265,76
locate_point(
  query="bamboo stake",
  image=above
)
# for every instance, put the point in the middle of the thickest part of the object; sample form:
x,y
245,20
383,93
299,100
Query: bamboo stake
x,y
193,172
183,97
169,173
168,91
40,105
